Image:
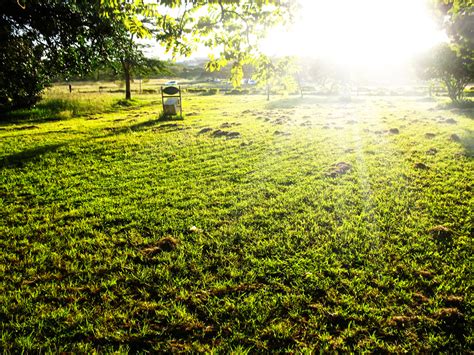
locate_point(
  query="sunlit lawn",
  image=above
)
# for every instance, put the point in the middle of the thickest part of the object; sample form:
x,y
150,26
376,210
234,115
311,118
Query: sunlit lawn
x,y
318,224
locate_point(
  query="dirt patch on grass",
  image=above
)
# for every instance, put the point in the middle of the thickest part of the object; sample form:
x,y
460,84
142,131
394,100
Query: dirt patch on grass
x,y
421,166
280,133
229,125
421,298
339,169
228,134
449,315
205,130
164,244
441,232
454,138
169,125
454,301
394,131
430,135
281,120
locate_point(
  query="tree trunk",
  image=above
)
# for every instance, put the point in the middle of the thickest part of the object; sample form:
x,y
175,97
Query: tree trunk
x,y
299,84
126,74
268,84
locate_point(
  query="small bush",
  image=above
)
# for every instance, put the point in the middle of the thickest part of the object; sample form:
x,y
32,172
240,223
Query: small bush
x,y
238,92
64,115
149,91
196,90
212,91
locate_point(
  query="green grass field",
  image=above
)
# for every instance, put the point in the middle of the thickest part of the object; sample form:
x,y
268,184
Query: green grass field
x,y
298,224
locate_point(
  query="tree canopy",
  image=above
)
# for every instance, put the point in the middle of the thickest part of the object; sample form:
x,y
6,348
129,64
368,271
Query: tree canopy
x,y
452,63
447,65
43,38
457,17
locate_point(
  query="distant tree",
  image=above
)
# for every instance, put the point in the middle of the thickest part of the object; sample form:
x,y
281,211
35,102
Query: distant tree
x,y
448,66
235,28
232,26
271,73
329,76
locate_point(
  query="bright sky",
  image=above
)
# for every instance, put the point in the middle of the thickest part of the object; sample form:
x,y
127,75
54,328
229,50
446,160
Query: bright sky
x,y
362,32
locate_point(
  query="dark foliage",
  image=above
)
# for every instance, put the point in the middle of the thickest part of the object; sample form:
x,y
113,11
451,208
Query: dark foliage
x,y
43,39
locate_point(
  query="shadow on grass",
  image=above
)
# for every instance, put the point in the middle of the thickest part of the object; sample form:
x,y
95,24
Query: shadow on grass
x,y
463,108
469,113
292,102
18,160
34,115
150,124
49,110
62,109
467,142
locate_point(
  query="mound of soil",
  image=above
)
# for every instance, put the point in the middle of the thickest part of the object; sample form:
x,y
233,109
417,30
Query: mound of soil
x,y
228,134
280,133
441,232
228,125
421,166
205,130
164,244
339,169
454,138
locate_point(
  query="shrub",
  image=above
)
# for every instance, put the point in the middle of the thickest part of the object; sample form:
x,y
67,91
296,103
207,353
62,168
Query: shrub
x,y
212,91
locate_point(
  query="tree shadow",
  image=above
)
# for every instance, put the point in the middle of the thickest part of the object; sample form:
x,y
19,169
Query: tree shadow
x,y
293,102
18,160
467,142
469,113
27,116
156,124
463,108
165,118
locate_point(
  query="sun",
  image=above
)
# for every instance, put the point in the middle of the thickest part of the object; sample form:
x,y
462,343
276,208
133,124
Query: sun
x,y
357,33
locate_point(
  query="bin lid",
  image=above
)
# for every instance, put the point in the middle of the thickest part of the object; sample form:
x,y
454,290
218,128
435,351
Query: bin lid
x,y
170,90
